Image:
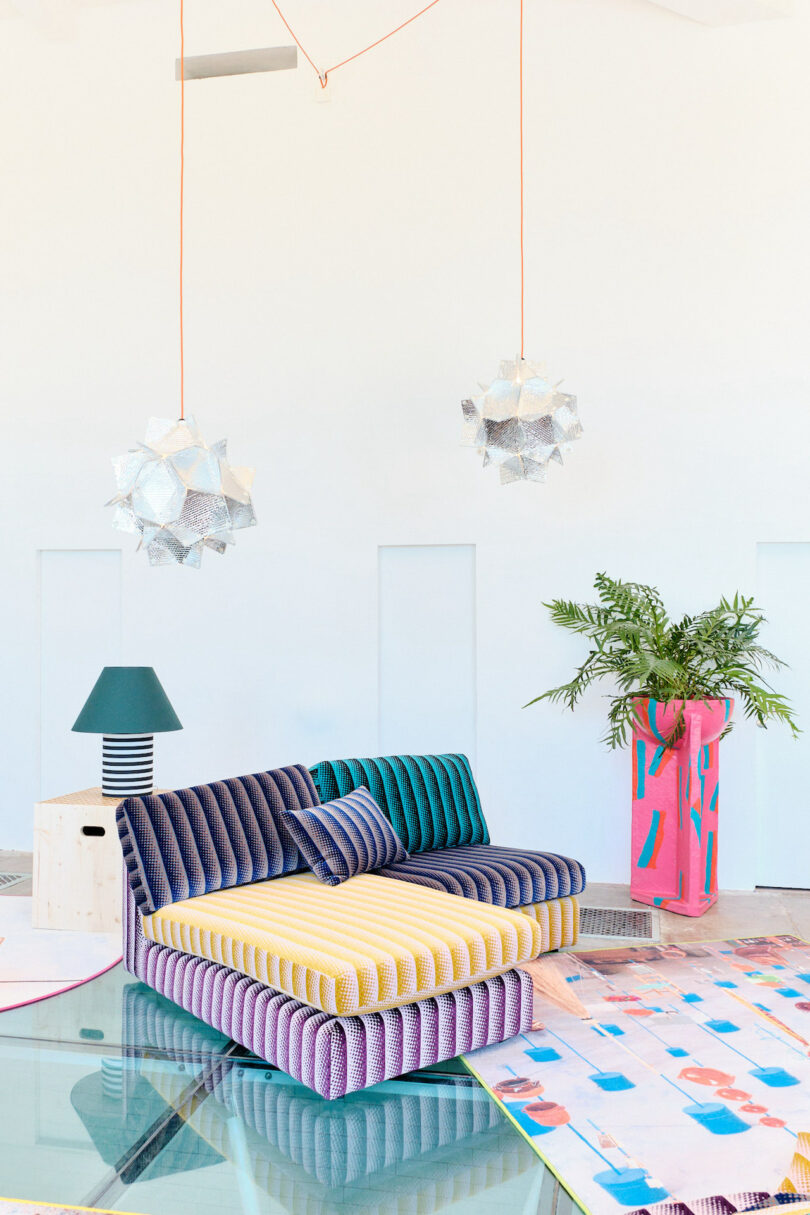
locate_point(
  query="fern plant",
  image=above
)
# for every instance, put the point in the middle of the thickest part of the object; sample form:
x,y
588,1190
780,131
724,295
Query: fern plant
x,y
633,642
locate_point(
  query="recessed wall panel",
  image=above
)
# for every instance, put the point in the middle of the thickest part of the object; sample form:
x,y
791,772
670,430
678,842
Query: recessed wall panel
x,y
427,648
80,632
783,763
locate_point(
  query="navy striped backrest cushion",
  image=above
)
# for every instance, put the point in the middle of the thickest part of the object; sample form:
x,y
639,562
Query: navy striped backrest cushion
x,y
191,841
431,800
345,837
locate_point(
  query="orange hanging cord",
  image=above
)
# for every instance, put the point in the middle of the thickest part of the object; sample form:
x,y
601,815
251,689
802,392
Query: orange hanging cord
x,y
182,183
294,37
522,191
323,76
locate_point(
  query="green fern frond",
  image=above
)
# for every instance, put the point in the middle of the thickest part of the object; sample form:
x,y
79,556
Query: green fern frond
x,y
634,642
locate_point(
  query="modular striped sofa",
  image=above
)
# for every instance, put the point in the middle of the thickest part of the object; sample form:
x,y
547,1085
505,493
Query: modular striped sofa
x,y
340,986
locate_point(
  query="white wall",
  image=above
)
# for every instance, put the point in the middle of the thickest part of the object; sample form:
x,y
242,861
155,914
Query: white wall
x,y
351,274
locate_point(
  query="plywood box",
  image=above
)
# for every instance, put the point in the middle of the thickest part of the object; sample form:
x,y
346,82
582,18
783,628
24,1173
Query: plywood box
x,y
77,863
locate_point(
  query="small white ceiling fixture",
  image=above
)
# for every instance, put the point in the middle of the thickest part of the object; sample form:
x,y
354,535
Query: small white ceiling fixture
x,y
236,63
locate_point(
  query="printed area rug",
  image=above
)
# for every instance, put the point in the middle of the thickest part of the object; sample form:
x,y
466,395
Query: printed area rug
x,y
669,1079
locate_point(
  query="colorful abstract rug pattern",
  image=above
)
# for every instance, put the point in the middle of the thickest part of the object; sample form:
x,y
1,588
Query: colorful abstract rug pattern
x,y
669,1079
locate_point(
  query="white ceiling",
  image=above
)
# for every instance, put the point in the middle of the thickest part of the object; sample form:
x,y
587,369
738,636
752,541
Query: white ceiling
x,y
728,12
56,19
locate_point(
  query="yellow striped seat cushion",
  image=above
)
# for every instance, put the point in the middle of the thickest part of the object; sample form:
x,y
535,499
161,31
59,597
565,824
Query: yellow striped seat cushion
x,y
558,920
368,944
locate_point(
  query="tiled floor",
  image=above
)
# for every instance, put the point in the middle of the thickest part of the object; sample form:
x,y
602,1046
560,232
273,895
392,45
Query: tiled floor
x,y
736,913
16,862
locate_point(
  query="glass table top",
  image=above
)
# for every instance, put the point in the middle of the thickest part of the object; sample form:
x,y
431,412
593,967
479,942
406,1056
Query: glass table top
x,y
116,1098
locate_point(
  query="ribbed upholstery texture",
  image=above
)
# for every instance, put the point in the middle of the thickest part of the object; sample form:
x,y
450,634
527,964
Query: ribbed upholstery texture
x,y
433,1179
210,837
359,947
431,800
345,837
558,920
332,1055
321,1158
507,877
443,1179
365,1134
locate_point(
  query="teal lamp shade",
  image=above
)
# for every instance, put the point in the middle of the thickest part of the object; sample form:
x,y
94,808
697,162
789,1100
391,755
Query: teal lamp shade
x,y
127,706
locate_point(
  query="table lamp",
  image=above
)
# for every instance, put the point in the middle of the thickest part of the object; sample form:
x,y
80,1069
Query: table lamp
x,y
127,706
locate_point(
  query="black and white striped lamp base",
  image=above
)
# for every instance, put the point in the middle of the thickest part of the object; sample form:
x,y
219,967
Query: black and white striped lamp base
x,y
127,765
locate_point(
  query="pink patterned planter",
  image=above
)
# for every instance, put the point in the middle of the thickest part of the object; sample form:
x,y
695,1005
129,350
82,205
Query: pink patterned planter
x,y
675,797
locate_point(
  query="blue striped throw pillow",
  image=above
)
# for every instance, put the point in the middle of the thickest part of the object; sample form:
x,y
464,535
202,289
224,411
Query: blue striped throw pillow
x,y
345,837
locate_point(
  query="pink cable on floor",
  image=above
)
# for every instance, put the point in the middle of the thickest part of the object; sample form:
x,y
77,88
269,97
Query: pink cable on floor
x,y
61,991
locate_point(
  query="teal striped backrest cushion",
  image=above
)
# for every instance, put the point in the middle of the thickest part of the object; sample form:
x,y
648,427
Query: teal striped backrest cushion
x,y
431,800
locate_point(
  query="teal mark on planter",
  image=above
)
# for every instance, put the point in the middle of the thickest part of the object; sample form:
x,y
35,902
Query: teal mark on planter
x,y
694,814
659,900
709,861
658,755
641,761
652,706
649,843
713,803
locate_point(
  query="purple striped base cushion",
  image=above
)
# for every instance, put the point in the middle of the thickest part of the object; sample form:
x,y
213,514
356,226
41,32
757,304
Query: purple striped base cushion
x,y
332,1055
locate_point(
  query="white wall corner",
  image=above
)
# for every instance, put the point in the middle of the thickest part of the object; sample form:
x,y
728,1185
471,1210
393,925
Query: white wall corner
x,y
728,12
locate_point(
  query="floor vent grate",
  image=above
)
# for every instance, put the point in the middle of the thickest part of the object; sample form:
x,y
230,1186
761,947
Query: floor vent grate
x,y
618,923
12,879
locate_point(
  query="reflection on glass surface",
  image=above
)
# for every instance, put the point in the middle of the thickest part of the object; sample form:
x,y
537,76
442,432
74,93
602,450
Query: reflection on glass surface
x,y
402,1146
124,1101
118,1107
88,1013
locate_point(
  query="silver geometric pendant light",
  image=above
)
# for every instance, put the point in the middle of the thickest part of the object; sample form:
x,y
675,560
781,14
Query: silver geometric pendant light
x,y
179,495
521,420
